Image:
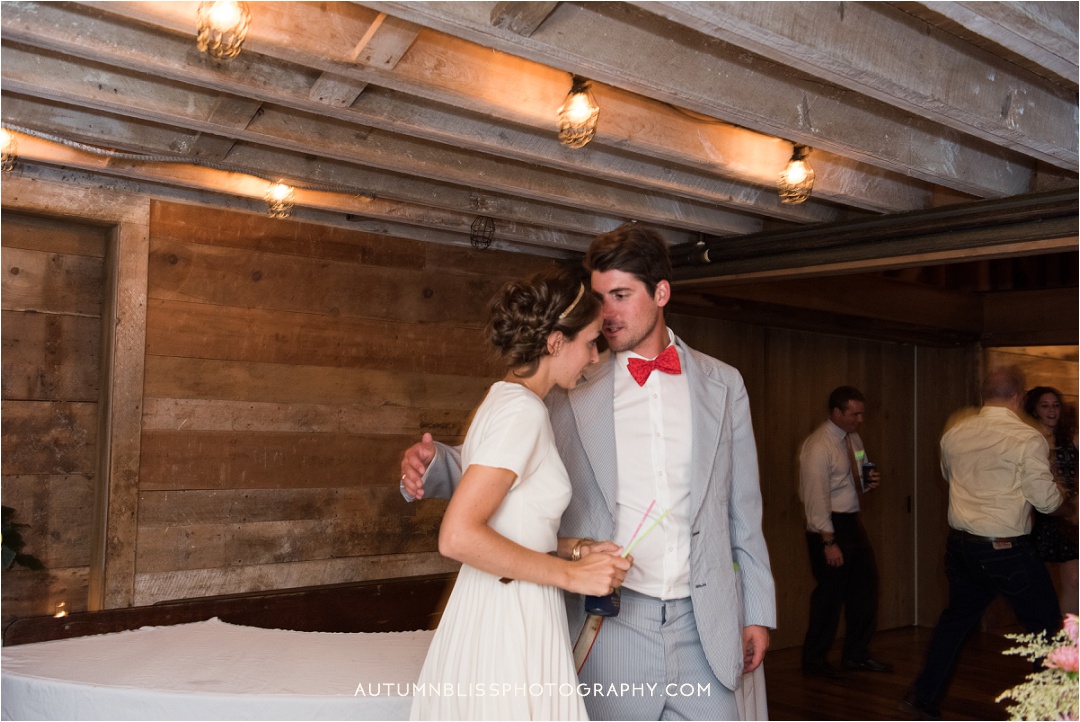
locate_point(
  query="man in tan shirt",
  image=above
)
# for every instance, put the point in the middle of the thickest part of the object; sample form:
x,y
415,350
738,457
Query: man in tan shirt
x,y
998,469
841,558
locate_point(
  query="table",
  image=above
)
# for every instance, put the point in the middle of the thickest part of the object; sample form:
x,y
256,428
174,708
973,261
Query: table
x,y
212,670
217,671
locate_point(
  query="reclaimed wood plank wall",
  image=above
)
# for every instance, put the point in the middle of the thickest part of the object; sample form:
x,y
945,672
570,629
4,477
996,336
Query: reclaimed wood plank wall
x,y
53,291
288,365
909,395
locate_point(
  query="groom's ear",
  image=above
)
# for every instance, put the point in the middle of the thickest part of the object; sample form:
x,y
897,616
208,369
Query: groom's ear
x,y
662,294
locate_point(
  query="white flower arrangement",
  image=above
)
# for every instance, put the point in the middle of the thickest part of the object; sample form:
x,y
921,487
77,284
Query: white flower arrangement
x,y
1052,693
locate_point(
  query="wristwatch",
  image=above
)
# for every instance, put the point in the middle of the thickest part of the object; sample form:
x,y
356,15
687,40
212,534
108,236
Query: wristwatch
x,y
829,543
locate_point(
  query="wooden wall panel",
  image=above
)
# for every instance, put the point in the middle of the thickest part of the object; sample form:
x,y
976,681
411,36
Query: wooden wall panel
x,y
254,460
50,356
947,382
49,437
789,375
195,330
1054,366
284,383
287,367
57,504
255,279
52,298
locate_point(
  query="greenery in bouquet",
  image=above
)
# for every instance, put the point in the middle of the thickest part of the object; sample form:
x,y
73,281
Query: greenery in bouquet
x,y
1052,692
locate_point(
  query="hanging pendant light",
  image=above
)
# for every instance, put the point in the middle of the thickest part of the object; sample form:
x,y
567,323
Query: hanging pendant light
x,y
578,115
9,150
222,27
279,200
797,178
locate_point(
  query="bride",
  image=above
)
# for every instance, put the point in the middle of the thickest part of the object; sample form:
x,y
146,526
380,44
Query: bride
x,y
502,650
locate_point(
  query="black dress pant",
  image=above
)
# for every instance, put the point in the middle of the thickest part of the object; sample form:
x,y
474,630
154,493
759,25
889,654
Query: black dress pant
x,y
853,586
978,570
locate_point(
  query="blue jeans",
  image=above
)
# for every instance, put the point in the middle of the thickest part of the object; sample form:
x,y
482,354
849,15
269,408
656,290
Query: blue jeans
x,y
978,572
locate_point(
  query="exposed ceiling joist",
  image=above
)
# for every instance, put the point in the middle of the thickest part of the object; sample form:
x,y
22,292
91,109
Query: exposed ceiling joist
x,y
1025,225
687,70
865,47
1041,35
415,118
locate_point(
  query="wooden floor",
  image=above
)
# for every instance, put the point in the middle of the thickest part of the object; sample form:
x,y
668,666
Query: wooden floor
x,y
982,674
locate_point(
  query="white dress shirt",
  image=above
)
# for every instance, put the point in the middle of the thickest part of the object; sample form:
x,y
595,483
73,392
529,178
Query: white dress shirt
x,y
826,483
653,438
998,469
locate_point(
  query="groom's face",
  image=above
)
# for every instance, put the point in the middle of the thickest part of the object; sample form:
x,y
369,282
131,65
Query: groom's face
x,y
632,316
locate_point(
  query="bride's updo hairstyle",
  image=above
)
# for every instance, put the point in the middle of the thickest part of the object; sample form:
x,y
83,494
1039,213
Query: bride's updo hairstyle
x,y
525,312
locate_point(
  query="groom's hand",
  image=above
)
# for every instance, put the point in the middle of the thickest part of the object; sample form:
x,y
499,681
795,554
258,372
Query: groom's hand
x,y
755,642
414,462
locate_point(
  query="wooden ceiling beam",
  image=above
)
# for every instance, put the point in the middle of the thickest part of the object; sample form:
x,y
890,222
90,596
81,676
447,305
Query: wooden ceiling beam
x,y
272,163
1044,33
870,297
275,84
150,139
869,47
158,101
521,18
34,171
445,70
591,39
385,41
1025,225
796,317
870,306
229,111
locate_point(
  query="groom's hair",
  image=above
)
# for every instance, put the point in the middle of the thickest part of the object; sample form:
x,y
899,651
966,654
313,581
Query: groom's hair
x,y
641,252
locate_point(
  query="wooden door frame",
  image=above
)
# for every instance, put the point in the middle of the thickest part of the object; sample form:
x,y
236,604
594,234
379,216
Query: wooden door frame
x,y
115,522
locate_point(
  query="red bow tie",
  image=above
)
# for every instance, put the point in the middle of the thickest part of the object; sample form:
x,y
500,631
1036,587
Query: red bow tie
x,y
668,362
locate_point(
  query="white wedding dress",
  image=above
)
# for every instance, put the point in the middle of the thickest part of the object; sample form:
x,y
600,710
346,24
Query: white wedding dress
x,y
502,650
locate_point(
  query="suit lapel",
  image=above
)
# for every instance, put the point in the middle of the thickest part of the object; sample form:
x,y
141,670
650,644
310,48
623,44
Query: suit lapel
x,y
593,403
708,399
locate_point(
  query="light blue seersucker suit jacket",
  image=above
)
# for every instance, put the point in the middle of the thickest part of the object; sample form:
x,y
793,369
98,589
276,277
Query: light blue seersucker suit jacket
x,y
725,497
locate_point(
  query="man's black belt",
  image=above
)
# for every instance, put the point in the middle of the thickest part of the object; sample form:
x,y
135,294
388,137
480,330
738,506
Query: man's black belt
x,y
990,539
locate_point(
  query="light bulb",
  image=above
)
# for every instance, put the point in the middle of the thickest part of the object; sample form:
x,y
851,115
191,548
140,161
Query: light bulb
x,y
224,15
222,27
797,179
9,150
578,115
279,200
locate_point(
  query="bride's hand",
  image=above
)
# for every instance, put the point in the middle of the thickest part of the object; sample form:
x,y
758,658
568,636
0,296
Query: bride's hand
x,y
598,573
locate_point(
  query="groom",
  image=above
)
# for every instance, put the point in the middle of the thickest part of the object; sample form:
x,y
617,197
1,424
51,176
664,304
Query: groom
x,y
699,601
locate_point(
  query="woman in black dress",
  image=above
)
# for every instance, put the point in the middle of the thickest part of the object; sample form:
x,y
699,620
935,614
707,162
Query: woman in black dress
x,y
1056,537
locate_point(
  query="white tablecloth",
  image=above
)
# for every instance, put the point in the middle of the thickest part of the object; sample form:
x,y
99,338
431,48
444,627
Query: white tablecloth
x,y
213,670
216,671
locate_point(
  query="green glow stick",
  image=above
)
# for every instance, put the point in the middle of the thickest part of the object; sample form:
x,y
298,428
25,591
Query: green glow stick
x,y
652,526
641,523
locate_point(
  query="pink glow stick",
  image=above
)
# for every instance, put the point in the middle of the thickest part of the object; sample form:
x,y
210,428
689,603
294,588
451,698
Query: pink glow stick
x,y
640,523
652,526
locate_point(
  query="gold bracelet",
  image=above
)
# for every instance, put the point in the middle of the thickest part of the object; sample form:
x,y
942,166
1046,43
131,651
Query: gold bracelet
x,y
575,555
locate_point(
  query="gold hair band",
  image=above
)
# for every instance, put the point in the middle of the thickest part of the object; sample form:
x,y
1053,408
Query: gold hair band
x,y
580,293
